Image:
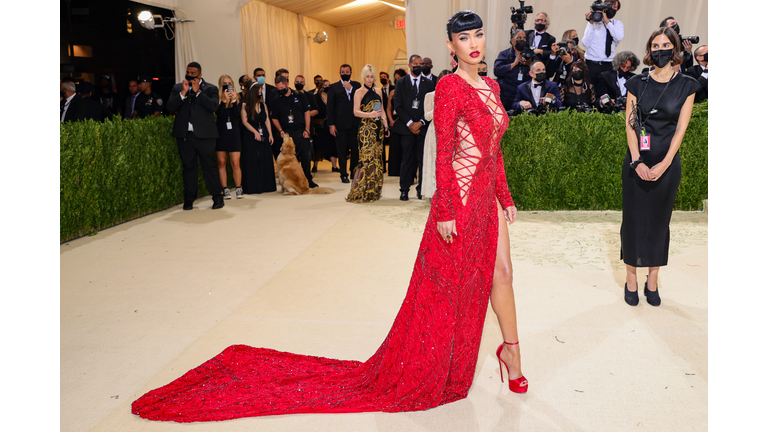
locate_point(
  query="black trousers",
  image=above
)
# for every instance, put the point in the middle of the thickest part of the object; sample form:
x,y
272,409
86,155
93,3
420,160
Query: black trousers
x,y
346,141
595,69
303,150
192,148
395,157
413,153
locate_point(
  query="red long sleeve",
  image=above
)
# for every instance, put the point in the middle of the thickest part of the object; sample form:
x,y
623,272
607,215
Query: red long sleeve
x,y
446,116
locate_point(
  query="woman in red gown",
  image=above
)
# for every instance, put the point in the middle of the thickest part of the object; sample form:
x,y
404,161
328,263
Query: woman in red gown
x,y
429,356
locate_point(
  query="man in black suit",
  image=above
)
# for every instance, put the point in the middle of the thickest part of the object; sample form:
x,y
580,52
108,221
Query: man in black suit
x,y
291,116
612,83
687,46
130,111
408,102
386,87
534,93
259,72
426,70
701,72
342,121
538,39
195,101
557,64
72,107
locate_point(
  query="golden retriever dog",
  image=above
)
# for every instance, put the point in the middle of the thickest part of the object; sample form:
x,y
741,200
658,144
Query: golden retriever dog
x,y
289,172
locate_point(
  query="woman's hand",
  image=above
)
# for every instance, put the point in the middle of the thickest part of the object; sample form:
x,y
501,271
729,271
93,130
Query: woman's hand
x,y
376,114
447,230
643,171
657,171
510,214
271,141
258,135
386,132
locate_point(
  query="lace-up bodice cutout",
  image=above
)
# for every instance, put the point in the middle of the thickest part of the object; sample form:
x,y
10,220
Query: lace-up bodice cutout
x,y
467,154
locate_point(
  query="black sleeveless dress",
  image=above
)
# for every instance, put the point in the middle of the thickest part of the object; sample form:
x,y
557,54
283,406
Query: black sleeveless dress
x,y
369,174
256,157
647,205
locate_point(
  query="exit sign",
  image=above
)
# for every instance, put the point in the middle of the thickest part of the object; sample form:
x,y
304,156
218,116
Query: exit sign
x,y
399,24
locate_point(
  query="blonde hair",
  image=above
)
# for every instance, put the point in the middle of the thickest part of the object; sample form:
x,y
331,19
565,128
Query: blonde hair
x,y
368,68
567,36
222,97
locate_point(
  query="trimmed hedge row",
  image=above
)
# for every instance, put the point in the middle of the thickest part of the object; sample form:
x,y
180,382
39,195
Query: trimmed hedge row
x,y
119,170
572,161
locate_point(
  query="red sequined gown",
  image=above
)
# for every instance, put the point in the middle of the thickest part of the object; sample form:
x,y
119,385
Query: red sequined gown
x,y
429,356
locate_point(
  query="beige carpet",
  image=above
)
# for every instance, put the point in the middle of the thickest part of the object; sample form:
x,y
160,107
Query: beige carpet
x,y
143,302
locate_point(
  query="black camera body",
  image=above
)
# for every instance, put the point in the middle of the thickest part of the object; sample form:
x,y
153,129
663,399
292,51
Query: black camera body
x,y
693,39
598,7
584,107
519,16
527,53
563,48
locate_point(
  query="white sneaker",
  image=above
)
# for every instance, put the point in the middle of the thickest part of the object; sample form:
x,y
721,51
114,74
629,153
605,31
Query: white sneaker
x,y
227,195
239,192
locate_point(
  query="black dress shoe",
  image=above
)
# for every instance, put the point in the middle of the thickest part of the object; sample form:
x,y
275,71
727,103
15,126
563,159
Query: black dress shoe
x,y
418,194
334,170
403,196
652,296
630,297
188,205
345,179
218,203
312,184
314,169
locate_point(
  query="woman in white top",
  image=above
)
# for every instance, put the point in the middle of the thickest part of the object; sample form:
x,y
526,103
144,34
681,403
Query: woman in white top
x,y
430,145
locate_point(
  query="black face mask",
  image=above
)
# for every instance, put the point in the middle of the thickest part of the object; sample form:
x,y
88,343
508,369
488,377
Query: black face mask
x,y
299,87
345,77
540,27
63,94
426,70
383,81
611,13
676,28
417,70
483,73
623,74
520,45
189,77
540,77
575,41
318,83
662,57
578,75
705,58
283,91
325,89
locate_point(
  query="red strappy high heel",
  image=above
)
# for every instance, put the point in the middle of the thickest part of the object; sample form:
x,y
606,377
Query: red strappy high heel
x,y
519,385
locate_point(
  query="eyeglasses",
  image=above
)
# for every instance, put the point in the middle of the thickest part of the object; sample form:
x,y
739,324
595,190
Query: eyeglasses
x,y
541,20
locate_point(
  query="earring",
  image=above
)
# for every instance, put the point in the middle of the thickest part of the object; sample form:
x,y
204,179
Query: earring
x,y
452,53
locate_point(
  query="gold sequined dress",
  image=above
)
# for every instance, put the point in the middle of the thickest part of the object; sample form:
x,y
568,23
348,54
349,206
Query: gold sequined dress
x,y
369,173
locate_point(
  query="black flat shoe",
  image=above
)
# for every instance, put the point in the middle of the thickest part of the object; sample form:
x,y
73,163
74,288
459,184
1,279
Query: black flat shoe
x,y
345,179
418,194
630,297
403,196
652,297
334,170
188,205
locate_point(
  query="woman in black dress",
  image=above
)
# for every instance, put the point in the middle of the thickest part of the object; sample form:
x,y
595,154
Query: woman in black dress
x,y
227,116
258,164
576,92
659,105
325,143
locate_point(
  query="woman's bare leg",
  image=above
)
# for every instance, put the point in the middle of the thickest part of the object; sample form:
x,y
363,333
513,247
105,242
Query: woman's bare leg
x,y
503,300
234,160
631,278
653,278
222,158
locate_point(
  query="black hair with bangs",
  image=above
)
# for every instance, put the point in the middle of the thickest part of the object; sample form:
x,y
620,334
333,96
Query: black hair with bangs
x,y
463,21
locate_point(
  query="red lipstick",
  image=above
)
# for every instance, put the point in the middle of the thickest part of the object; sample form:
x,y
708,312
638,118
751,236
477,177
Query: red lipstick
x,y
474,54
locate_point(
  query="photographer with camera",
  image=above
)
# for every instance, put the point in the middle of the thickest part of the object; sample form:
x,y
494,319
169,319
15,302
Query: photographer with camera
x,y
610,86
512,66
539,94
602,36
538,39
563,55
700,73
576,92
686,42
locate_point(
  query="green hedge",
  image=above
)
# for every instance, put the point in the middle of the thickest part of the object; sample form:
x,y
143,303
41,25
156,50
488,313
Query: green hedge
x,y
572,161
115,171
119,170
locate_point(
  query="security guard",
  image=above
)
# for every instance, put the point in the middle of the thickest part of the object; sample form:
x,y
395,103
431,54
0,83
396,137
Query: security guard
x,y
148,103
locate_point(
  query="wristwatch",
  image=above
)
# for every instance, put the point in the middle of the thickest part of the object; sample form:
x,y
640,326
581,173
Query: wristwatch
x,y
635,163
